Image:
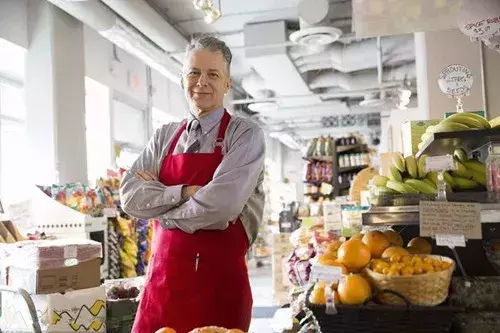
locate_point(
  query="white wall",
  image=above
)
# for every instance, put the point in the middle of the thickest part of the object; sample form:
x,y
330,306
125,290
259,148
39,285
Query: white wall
x,y
13,21
492,81
168,96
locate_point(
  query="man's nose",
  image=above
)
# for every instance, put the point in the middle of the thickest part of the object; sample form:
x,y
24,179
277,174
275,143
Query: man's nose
x,y
202,81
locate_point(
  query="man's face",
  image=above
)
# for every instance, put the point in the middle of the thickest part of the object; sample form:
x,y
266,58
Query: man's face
x,y
205,79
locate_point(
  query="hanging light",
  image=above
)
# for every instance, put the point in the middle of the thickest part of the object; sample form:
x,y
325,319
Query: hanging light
x,y
210,13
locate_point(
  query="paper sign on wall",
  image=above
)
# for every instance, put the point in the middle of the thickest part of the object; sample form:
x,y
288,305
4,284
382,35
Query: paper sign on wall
x,y
450,218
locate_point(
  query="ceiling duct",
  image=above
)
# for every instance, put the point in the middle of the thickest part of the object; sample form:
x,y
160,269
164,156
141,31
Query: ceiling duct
x,y
273,63
315,29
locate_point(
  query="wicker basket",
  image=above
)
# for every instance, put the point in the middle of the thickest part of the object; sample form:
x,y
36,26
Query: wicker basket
x,y
426,289
374,318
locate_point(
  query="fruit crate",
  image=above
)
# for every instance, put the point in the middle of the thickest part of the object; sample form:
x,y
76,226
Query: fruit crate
x,y
378,318
389,200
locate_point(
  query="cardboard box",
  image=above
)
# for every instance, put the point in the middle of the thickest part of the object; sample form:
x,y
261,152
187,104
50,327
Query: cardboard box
x,y
84,275
76,311
411,132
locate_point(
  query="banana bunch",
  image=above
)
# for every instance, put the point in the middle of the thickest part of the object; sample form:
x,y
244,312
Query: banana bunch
x,y
463,121
408,176
495,123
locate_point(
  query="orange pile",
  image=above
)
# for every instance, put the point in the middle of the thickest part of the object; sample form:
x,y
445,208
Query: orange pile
x,y
408,265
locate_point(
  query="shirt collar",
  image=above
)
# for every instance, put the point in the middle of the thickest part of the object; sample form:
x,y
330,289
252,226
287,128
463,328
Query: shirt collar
x,y
207,122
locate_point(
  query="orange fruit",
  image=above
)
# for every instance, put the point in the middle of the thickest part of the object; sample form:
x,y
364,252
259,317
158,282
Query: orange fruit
x,y
326,260
376,242
428,268
166,330
358,236
318,296
407,270
333,247
354,255
393,237
354,289
420,244
338,264
395,258
393,250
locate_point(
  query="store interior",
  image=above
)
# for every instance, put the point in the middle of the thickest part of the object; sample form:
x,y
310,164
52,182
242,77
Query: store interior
x,y
382,127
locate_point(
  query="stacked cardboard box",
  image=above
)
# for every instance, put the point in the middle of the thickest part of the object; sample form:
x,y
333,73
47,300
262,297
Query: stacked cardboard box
x,y
63,278
282,248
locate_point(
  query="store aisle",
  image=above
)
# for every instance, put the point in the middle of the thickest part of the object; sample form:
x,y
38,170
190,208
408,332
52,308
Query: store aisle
x,y
263,307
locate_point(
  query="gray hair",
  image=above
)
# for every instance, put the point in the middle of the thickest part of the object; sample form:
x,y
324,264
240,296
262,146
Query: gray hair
x,y
213,44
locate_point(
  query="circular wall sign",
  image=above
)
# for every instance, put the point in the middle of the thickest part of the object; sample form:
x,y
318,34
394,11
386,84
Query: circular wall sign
x,y
456,80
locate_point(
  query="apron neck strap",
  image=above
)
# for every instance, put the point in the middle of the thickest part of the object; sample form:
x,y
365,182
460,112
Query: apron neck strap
x,y
222,132
176,138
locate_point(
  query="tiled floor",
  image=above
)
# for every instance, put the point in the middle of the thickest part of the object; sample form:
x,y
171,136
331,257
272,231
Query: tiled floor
x,y
261,281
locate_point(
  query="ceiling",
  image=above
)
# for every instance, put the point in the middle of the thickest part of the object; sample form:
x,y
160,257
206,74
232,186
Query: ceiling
x,y
330,81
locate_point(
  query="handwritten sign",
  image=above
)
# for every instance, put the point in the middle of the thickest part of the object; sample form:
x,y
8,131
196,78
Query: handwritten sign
x,y
456,80
439,163
325,273
450,240
450,218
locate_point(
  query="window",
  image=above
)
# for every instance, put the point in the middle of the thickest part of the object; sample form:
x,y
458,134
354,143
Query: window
x,y
14,173
160,118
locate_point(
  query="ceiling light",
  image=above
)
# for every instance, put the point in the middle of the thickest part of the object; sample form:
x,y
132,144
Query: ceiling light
x,y
210,14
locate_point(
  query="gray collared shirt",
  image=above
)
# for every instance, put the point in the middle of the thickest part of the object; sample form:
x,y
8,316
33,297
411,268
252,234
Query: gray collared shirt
x,y
235,190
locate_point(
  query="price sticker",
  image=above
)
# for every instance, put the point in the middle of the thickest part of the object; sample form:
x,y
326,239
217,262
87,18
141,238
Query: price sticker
x,y
325,273
439,163
450,240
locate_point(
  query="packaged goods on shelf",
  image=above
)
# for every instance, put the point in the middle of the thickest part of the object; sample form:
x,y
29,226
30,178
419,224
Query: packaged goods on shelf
x,y
75,311
128,247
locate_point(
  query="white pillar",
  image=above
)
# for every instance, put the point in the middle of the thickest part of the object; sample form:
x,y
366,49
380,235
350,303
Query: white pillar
x,y
434,51
55,95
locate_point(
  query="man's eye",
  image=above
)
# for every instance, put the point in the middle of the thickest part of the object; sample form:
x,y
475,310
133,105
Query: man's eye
x,y
192,73
214,75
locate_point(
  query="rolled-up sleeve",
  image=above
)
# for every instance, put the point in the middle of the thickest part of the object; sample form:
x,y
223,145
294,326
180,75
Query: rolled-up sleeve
x,y
223,198
148,199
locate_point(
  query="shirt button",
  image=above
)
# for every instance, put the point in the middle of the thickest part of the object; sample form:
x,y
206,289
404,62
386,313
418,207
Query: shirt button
x,y
173,200
148,205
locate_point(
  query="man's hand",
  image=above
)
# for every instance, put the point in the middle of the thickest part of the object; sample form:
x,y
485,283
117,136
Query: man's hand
x,y
189,191
146,175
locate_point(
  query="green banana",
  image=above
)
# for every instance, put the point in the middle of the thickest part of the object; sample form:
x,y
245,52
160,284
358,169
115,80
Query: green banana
x,y
394,174
462,171
420,145
399,162
426,136
430,182
385,190
467,120
449,179
401,187
478,177
460,154
483,120
450,126
475,165
421,166
421,186
379,180
431,129
433,177
411,166
464,183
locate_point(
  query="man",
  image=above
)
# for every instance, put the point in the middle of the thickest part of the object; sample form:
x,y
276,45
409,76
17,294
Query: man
x,y
202,180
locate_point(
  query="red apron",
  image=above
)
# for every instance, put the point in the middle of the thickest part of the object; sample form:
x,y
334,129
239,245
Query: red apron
x,y
182,292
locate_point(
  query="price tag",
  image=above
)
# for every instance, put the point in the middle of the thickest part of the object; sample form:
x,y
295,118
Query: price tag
x,y
450,218
450,240
456,80
325,273
439,163
70,252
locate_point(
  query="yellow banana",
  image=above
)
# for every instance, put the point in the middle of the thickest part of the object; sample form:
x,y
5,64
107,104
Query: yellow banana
x,y
421,166
411,166
401,187
462,171
399,162
475,165
483,120
495,122
467,120
464,184
451,126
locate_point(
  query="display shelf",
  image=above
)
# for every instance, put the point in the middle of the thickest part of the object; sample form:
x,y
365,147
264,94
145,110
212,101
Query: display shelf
x,y
346,148
53,217
409,215
327,159
446,142
352,168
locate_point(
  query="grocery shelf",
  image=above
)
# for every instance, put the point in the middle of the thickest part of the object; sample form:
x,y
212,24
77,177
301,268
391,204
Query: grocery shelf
x,y
343,149
318,158
409,215
352,168
446,142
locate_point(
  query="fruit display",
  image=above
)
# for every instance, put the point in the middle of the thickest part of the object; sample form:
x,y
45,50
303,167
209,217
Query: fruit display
x,y
354,289
408,182
410,264
122,292
464,121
